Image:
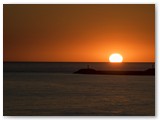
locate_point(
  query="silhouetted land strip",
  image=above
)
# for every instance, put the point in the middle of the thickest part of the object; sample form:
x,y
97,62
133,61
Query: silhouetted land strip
x,y
150,71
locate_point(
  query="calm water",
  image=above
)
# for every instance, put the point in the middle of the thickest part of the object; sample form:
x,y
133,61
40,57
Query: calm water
x,y
72,94
52,89
70,67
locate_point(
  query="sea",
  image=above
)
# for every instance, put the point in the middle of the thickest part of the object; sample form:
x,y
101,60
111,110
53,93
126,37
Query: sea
x,y
70,67
51,89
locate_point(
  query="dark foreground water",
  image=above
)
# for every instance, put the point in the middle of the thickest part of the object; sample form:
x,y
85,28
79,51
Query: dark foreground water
x,y
70,94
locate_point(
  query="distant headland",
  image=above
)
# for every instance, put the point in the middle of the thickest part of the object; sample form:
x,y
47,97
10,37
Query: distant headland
x,y
150,71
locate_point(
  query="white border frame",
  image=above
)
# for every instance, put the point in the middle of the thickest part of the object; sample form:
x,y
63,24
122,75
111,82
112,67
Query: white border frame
x,y
157,49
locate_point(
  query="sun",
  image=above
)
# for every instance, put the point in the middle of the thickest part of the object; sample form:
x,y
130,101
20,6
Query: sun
x,y
116,57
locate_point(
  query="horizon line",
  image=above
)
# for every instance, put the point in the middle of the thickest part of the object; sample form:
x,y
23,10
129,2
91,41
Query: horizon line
x,y
71,62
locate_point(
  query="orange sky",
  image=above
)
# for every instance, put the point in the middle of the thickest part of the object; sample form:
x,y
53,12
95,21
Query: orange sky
x,y
79,33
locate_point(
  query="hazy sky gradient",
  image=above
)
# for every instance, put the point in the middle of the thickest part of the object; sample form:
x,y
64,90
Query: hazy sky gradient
x,y
79,33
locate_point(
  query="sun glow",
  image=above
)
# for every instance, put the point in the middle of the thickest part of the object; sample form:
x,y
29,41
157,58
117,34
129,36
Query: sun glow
x,y
116,57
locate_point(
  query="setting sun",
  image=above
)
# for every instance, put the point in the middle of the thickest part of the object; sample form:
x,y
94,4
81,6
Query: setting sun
x,y
116,57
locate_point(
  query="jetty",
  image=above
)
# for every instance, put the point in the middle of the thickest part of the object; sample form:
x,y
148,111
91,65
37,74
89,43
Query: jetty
x,y
150,71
